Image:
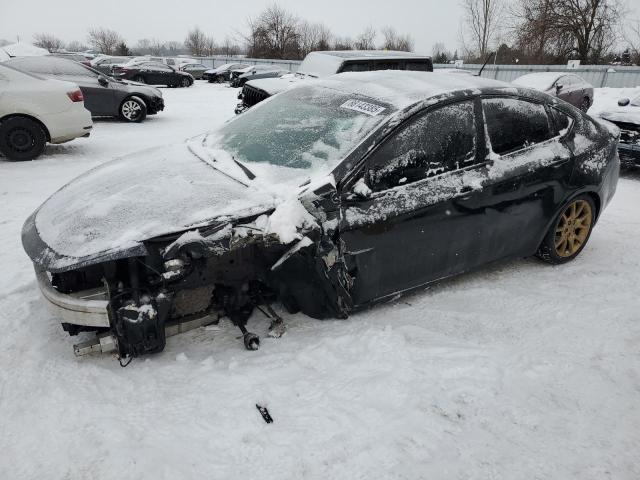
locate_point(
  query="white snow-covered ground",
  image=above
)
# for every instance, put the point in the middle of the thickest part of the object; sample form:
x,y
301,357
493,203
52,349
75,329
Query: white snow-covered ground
x,y
519,371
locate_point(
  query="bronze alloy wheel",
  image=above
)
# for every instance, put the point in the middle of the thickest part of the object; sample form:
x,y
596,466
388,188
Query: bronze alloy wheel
x,y
573,227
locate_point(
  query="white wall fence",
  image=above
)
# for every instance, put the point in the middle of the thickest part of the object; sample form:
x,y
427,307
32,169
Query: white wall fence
x,y
597,75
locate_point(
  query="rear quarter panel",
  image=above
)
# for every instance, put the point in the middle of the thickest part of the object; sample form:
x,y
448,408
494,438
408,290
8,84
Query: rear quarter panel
x,y
597,164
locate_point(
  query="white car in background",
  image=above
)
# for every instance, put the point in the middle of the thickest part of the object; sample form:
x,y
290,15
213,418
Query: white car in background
x,y
34,111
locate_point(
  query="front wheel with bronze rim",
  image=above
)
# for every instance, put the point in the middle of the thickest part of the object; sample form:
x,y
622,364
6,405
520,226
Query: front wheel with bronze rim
x,y
570,232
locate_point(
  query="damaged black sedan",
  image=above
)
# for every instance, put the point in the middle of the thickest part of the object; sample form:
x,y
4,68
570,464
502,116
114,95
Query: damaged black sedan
x,y
327,198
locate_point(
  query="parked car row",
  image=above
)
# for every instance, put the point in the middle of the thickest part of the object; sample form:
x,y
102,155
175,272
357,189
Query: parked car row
x,y
104,96
153,73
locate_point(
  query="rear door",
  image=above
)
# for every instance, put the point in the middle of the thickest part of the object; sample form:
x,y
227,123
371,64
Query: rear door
x,y
529,168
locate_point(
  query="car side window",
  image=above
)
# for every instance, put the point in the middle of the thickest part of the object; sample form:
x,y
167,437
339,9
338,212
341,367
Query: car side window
x,y
387,65
355,67
561,120
514,124
436,142
71,68
417,66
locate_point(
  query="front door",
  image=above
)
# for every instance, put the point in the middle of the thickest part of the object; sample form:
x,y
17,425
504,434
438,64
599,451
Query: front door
x,y
409,218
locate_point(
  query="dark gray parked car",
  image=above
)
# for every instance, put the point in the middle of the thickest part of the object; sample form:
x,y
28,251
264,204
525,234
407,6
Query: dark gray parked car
x,y
105,64
195,69
566,86
256,72
103,96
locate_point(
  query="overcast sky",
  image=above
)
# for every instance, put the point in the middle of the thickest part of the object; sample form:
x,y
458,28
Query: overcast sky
x,y
427,21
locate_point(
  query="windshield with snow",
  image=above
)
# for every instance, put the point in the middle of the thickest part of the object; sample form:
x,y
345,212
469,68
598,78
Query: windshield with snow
x,y
306,128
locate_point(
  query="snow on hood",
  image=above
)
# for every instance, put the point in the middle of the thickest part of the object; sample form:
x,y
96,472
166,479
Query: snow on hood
x,y
159,191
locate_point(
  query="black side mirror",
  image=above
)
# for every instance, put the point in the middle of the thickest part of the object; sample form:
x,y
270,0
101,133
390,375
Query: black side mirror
x,y
559,87
623,102
102,80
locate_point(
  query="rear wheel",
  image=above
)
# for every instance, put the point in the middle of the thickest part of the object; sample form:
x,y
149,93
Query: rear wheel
x,y
570,232
133,109
21,138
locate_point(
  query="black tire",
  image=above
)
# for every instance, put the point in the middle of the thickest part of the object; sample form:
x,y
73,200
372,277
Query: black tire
x,y
553,250
185,82
139,79
133,109
586,103
21,138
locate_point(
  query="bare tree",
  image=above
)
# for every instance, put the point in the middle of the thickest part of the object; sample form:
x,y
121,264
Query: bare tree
x,y
210,46
592,24
343,43
554,30
632,36
156,46
367,39
104,40
229,47
48,41
394,41
196,42
481,25
76,46
324,37
275,33
173,47
143,47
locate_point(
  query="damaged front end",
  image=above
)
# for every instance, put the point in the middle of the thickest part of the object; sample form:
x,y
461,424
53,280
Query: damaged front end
x,y
190,279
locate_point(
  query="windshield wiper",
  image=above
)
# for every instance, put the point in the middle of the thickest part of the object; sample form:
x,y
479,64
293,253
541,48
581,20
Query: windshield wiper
x,y
250,175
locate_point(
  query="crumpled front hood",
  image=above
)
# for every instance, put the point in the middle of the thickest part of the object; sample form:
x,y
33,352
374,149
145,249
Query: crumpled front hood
x,y
120,204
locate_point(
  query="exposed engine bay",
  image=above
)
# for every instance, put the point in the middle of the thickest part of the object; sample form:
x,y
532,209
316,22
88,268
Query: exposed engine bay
x,y
226,270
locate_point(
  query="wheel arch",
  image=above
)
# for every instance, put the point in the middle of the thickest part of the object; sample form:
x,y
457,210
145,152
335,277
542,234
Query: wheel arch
x,y
30,117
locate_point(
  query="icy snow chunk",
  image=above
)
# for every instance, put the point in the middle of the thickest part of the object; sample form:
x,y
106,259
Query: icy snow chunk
x,y
361,188
287,219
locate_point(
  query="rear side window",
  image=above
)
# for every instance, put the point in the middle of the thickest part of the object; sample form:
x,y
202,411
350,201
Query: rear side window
x,y
439,141
388,65
355,67
66,67
515,124
418,66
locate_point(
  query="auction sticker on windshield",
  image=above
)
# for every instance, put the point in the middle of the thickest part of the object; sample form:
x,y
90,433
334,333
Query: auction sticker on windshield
x,y
363,107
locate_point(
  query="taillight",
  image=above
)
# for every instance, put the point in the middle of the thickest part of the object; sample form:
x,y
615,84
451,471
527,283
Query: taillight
x,y
76,96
